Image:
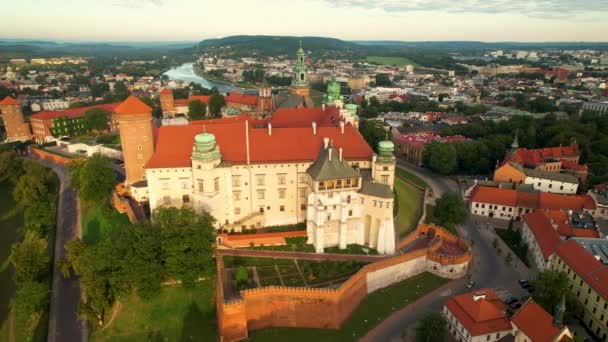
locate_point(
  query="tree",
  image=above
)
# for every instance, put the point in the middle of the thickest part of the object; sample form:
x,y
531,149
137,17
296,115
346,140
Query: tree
x,y
196,110
373,131
216,102
96,119
95,178
32,186
432,328
241,277
440,157
186,242
29,259
121,92
11,166
450,210
550,287
383,80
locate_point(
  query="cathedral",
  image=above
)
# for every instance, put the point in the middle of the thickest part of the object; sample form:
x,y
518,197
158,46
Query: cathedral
x,y
298,95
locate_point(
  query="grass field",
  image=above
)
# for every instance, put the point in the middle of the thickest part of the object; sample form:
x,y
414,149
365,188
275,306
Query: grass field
x,y
98,222
375,308
175,314
409,207
404,174
395,61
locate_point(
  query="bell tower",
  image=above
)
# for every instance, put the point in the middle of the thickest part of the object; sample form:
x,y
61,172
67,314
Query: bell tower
x,y
136,137
384,165
299,80
167,103
265,101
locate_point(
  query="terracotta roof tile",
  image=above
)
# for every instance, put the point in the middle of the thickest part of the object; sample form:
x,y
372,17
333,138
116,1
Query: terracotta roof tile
x,y
243,99
480,317
544,233
536,323
304,117
585,265
532,200
73,112
7,100
133,105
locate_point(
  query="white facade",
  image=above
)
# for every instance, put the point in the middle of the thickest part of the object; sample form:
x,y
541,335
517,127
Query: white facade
x,y
549,185
493,210
533,248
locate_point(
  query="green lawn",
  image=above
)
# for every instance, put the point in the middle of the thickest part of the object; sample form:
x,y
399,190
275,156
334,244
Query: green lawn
x,y
175,314
409,207
404,174
98,222
395,61
375,308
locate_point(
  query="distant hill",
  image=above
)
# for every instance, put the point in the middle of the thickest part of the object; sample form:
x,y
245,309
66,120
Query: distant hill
x,y
278,45
459,45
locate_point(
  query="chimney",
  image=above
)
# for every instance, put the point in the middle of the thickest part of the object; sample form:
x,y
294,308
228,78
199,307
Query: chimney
x,y
342,127
323,107
269,128
340,153
314,128
325,142
479,295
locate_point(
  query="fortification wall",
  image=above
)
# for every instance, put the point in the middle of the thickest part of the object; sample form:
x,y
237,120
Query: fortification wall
x,y
55,158
396,270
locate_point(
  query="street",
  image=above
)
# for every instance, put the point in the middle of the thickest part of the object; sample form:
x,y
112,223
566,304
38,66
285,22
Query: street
x,y
64,323
488,270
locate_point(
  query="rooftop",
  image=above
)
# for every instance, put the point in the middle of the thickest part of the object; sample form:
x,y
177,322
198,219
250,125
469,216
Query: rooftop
x,y
590,269
133,105
7,100
480,312
536,323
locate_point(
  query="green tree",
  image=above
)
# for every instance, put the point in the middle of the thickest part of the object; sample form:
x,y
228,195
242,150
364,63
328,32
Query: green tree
x,y
121,92
449,210
186,242
196,110
440,157
432,328
96,119
94,179
373,131
11,166
241,277
550,287
39,216
216,102
383,80
29,259
32,186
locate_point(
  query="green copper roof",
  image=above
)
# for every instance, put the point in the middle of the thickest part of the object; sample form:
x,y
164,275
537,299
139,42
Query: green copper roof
x,y
300,70
205,147
204,138
385,151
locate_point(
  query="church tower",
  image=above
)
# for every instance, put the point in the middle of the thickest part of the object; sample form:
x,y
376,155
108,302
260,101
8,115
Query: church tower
x,y
167,103
333,97
265,100
299,81
136,136
384,165
16,127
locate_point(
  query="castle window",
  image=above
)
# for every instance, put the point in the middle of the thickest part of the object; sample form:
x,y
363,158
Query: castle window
x,y
385,168
216,184
348,199
236,180
236,195
261,194
186,199
350,213
139,147
385,179
282,193
237,211
282,208
139,156
201,185
145,138
261,209
259,180
282,179
302,192
167,200
184,185
302,206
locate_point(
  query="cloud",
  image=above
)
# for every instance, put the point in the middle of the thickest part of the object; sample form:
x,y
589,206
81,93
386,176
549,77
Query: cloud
x,y
534,8
137,3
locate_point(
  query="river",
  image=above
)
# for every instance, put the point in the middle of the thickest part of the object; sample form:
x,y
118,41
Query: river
x,y
185,72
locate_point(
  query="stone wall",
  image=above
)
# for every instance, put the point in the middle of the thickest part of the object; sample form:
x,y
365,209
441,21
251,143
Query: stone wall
x,y
55,158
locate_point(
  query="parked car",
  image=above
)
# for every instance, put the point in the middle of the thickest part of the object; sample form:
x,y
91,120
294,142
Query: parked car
x,y
510,300
524,284
470,284
530,289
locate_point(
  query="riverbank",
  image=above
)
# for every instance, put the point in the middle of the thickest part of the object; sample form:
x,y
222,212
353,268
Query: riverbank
x,y
198,72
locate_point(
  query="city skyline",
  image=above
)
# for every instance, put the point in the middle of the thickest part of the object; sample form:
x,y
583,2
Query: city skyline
x,y
189,20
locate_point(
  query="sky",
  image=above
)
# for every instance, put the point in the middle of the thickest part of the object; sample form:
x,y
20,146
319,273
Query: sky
x,y
407,20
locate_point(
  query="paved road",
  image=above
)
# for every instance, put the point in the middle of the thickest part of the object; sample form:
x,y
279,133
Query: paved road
x,y
64,325
488,270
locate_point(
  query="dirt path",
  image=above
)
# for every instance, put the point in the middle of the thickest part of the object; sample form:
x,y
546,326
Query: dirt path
x,y
11,327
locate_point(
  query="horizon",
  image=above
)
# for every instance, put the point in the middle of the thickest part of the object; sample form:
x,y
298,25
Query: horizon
x,y
349,20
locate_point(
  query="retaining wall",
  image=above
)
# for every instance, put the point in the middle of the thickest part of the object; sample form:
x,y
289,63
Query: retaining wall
x,y
55,158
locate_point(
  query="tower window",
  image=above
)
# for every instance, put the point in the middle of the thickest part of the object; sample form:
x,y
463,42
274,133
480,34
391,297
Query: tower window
x,y
301,77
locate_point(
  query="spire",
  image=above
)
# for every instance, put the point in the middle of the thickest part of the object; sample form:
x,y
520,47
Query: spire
x,y
515,145
558,318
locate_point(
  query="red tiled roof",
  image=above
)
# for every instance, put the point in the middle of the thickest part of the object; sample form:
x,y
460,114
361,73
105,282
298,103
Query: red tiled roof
x,y
132,105
532,200
570,165
9,101
534,157
166,91
243,99
174,144
536,323
73,112
304,117
593,272
482,316
544,234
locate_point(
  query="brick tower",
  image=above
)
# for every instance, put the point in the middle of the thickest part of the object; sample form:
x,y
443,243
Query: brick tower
x,y
265,100
16,127
134,120
167,103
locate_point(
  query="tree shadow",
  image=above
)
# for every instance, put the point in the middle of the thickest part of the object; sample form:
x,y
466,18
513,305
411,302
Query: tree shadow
x,y
192,329
93,231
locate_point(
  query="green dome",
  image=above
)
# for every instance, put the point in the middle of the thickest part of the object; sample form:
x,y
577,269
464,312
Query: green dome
x,y
205,138
386,145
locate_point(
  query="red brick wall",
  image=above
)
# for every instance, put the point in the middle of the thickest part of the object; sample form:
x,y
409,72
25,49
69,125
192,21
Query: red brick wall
x,y
49,156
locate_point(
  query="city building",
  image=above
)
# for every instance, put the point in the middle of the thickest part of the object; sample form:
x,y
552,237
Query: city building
x,y
55,105
540,237
298,95
588,278
14,123
600,107
533,323
561,183
508,204
410,147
